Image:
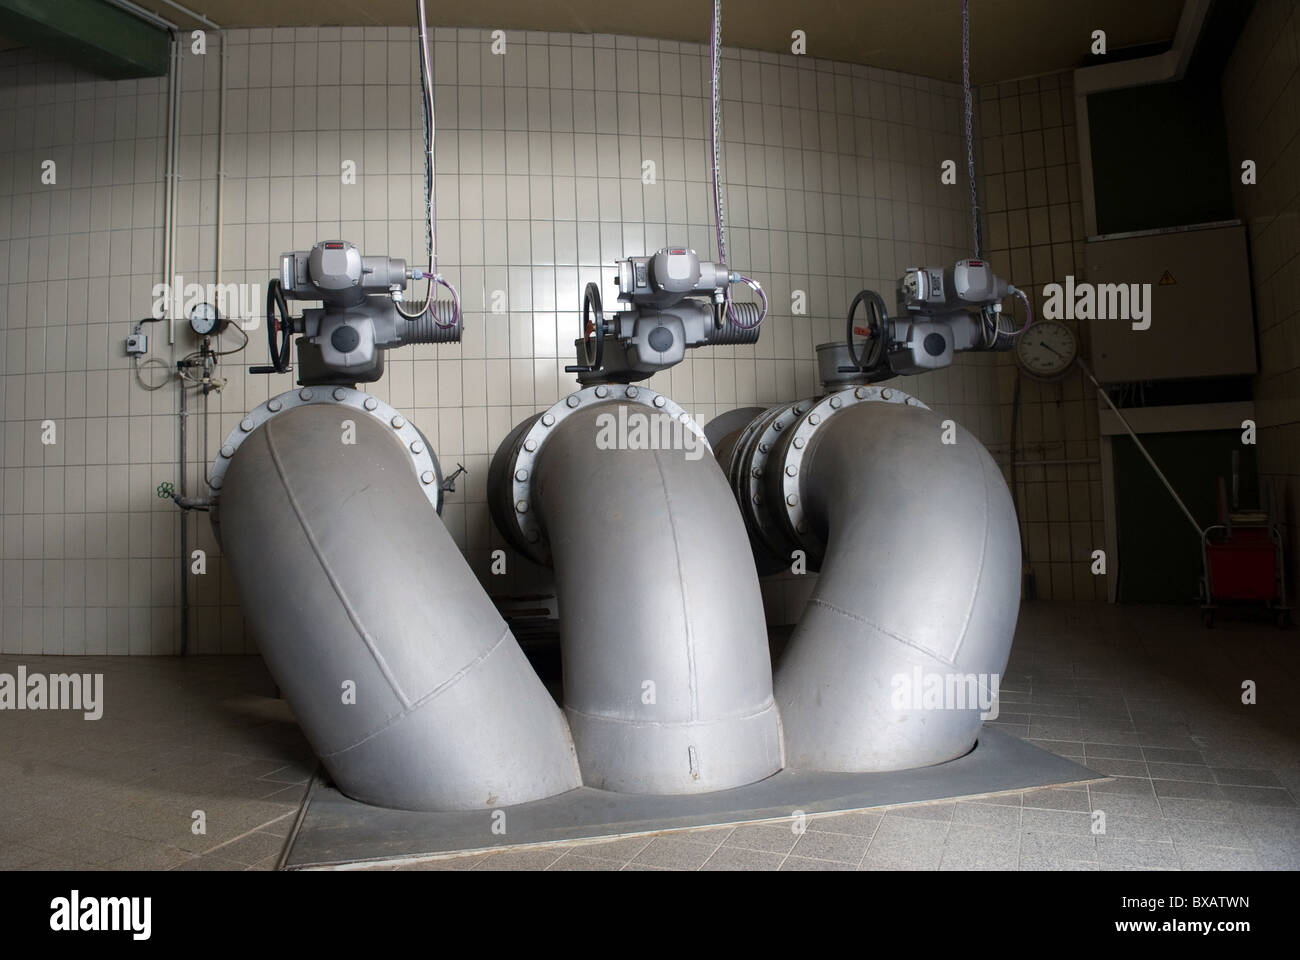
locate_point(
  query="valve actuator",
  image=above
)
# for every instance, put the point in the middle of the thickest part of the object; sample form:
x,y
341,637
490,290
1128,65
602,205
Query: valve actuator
x,y
941,311
678,302
343,341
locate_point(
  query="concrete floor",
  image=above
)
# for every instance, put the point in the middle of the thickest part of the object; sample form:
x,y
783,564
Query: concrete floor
x,y
1145,695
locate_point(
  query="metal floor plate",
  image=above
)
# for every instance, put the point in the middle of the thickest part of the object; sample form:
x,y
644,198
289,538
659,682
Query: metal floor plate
x,y
335,831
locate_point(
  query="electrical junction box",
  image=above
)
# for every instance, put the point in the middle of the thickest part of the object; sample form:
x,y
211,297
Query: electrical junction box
x,y
137,344
1202,321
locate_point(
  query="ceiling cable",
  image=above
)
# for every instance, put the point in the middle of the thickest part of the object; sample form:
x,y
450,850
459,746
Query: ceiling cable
x,y
970,135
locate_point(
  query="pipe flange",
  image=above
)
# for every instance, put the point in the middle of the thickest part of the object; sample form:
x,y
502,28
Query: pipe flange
x,y
528,533
795,442
754,448
423,460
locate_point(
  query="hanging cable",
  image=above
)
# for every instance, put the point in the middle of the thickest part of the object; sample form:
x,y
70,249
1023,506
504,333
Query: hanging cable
x,y
970,135
719,206
430,209
1029,310
152,361
715,130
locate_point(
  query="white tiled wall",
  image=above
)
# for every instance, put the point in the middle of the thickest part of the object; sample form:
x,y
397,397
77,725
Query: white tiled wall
x,y
1035,236
1261,95
833,184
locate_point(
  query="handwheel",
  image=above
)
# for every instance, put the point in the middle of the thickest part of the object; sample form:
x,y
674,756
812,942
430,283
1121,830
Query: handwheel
x,y
278,321
877,330
593,332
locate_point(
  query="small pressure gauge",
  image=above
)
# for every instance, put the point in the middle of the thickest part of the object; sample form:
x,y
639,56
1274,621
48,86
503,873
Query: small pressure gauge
x,y
1047,349
205,320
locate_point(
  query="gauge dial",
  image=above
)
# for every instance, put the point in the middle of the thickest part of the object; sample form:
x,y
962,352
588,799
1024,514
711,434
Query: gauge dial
x,y
205,320
1047,349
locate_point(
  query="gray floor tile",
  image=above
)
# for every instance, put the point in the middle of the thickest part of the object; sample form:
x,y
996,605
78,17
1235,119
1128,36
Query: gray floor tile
x,y
1188,790
1053,799
740,858
939,812
1121,805
1190,809
769,838
574,862
1040,862
987,814
1058,845
448,864
1192,857
1207,833
807,863
831,846
1258,796
854,824
675,854
1056,821
880,857
1246,777
1111,751
1114,854
1137,828
621,850
1197,772
1118,768
987,858
526,859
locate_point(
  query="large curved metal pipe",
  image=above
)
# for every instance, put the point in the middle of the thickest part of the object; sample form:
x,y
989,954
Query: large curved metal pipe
x,y
903,641
667,678
405,679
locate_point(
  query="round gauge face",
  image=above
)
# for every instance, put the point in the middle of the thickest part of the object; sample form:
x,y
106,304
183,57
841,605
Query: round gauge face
x,y
204,318
1046,349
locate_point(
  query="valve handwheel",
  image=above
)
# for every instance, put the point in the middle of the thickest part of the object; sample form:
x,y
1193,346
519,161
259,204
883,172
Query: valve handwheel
x,y
593,332
876,330
277,321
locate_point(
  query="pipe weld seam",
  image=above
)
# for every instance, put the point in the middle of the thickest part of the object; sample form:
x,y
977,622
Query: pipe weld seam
x,y
979,568
330,575
947,661
425,700
681,579
765,708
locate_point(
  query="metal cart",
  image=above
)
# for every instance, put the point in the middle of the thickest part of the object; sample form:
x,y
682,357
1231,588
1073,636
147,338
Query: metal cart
x,y
1242,557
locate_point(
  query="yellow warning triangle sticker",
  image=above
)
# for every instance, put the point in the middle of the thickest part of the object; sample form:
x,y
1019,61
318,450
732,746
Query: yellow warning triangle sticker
x,y
1167,280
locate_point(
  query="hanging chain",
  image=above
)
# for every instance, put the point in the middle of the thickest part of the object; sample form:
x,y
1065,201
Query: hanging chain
x,y
970,135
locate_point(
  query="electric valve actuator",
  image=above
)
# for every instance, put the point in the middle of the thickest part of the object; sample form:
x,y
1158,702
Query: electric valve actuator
x,y
343,341
940,311
678,302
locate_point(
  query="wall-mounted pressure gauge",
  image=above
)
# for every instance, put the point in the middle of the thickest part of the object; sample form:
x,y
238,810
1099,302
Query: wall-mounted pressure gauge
x,y
205,320
1047,349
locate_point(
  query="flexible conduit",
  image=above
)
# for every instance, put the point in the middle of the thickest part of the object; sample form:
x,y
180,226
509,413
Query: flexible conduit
x,y
970,135
743,318
430,206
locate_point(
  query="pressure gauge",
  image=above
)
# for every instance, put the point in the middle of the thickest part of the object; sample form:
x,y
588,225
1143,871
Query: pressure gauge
x,y
205,320
1047,349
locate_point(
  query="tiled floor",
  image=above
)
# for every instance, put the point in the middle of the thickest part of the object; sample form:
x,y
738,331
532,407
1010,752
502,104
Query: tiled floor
x,y
1145,695
177,736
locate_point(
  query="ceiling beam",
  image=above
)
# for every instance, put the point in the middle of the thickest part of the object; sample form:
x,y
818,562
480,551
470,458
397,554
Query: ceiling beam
x,y
92,34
